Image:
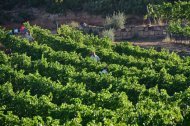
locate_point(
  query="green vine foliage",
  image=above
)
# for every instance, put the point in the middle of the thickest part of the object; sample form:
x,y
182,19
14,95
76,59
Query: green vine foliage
x,y
177,15
53,81
171,12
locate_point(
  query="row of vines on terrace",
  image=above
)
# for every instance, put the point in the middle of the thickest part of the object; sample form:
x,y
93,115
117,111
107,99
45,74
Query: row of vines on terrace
x,y
53,81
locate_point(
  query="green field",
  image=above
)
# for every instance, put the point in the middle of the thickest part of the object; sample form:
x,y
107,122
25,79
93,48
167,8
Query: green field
x,y
53,81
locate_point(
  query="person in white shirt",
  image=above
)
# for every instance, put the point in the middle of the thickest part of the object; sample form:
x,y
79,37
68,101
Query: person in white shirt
x,y
15,31
95,57
104,71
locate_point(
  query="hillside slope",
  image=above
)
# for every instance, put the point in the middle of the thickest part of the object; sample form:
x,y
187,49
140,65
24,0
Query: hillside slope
x,y
53,81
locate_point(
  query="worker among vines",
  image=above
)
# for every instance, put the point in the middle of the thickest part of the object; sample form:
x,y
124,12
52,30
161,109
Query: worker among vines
x,y
29,37
95,57
8,51
104,71
23,30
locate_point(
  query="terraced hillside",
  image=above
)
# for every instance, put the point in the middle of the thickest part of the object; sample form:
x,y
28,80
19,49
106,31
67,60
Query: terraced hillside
x,y
53,81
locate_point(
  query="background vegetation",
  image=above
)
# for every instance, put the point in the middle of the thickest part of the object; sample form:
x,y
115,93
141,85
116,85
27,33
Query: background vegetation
x,y
93,6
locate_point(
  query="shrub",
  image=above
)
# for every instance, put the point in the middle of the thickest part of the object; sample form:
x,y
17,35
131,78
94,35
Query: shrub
x,y
74,24
117,21
108,33
108,22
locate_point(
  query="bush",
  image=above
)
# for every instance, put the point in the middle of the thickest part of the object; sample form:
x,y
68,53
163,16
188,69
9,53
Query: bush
x,y
108,22
116,21
109,33
74,24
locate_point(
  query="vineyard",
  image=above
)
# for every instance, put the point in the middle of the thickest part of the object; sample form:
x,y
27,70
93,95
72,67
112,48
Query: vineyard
x,y
53,81
177,15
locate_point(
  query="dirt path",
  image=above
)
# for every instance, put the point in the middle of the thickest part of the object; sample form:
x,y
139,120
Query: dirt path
x,y
181,49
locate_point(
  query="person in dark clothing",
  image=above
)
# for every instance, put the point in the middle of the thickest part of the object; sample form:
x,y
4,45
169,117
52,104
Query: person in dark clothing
x,y
8,51
12,32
